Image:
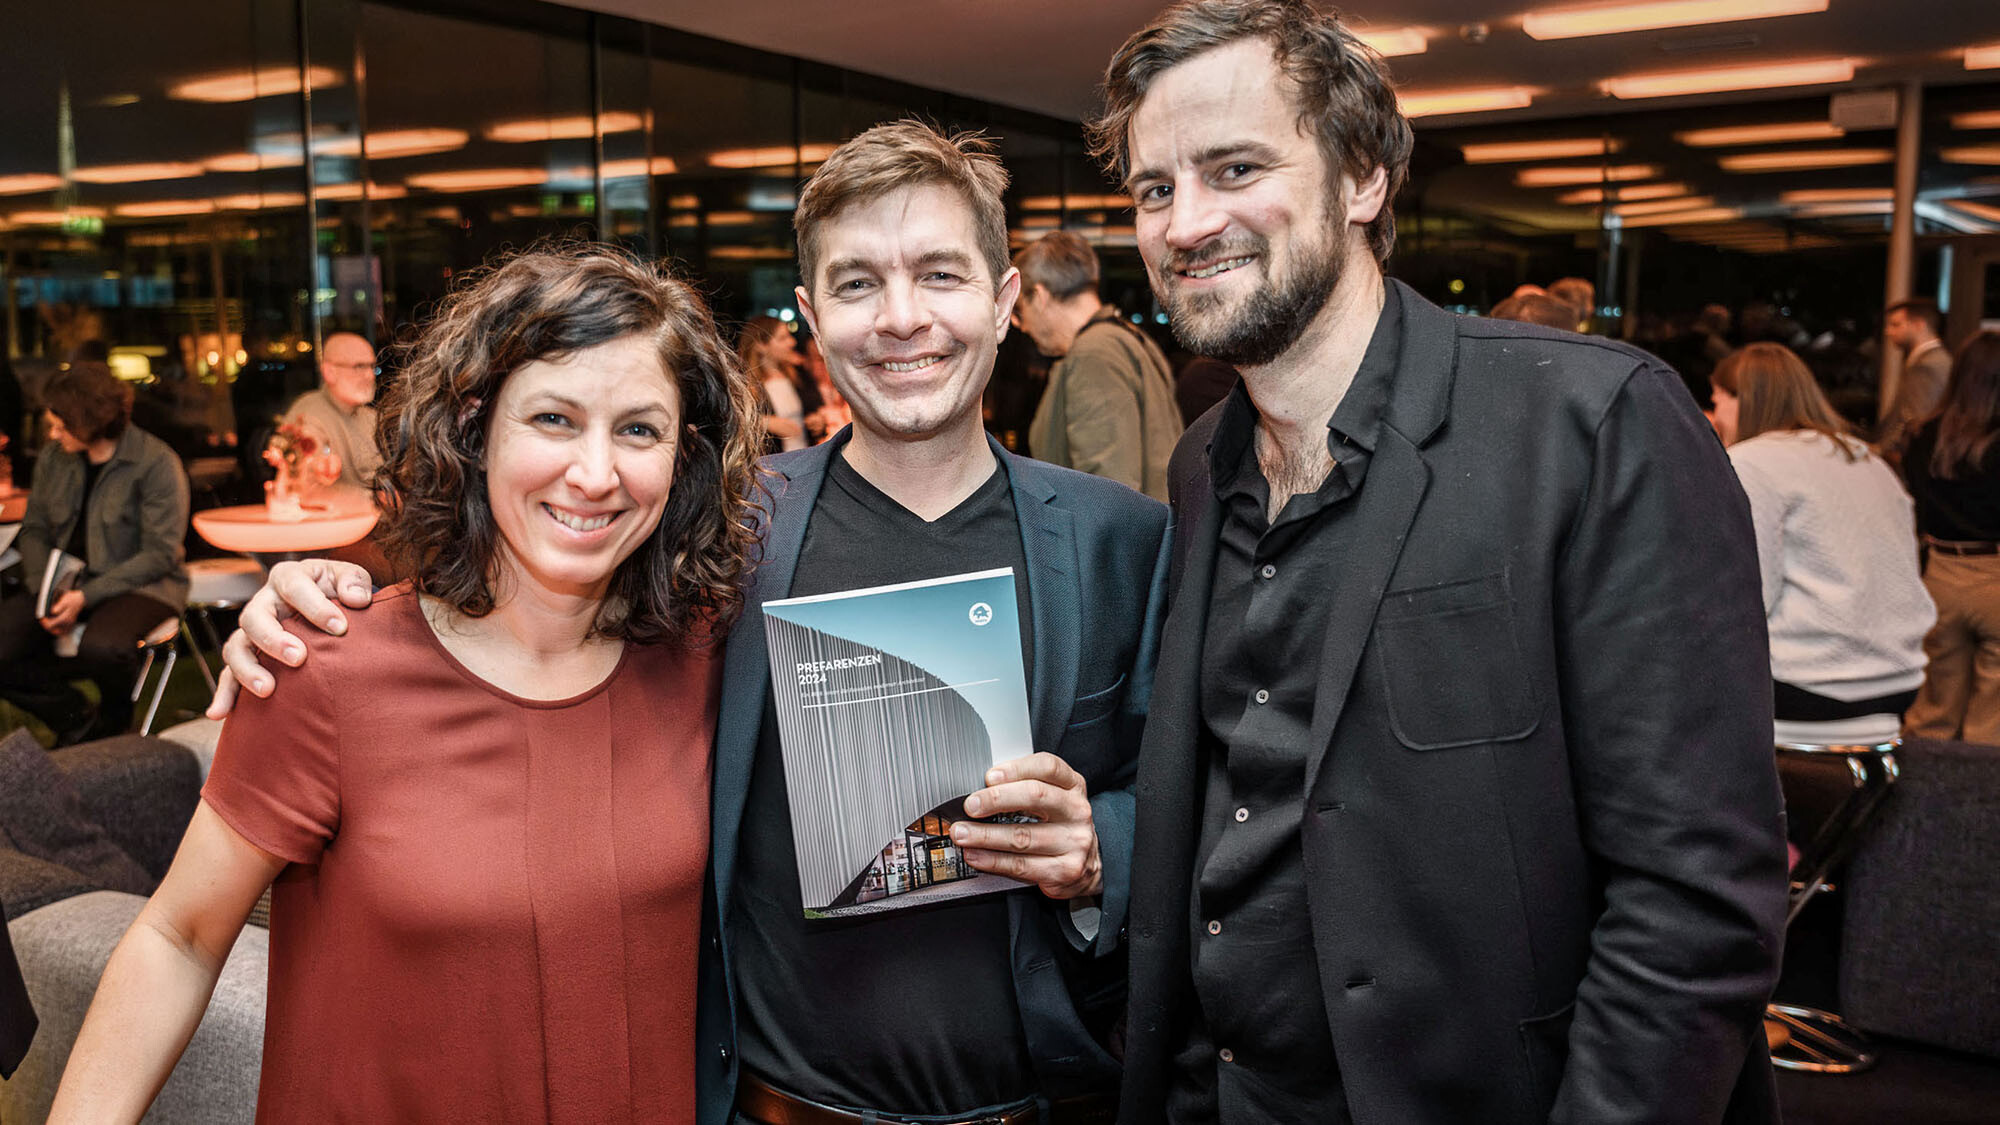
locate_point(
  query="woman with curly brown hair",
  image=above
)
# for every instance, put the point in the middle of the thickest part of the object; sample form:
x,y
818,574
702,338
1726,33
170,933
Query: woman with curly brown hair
x,y
486,805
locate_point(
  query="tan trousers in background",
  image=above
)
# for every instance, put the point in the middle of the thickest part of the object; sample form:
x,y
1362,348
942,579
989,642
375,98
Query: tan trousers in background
x,y
1960,699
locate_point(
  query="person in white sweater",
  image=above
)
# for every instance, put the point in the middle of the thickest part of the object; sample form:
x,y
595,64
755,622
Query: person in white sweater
x,y
1837,544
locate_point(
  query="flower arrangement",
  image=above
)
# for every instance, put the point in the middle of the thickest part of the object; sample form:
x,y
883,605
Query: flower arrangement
x,y
304,462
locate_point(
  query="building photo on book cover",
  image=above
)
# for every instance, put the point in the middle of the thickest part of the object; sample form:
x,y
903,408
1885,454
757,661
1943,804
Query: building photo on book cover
x,y
892,703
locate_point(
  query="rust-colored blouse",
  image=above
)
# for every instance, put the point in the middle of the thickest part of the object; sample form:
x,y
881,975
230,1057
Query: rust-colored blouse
x,y
494,903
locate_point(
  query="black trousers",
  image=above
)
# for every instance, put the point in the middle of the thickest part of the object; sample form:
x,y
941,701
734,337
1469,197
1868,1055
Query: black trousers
x,y
35,679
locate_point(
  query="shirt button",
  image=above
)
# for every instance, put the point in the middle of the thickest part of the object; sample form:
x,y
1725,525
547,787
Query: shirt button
x,y
1226,1055
1263,696
1268,571
1214,927
1242,815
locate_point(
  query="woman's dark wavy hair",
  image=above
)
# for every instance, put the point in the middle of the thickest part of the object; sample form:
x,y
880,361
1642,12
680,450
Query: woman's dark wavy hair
x,y
684,583
1968,418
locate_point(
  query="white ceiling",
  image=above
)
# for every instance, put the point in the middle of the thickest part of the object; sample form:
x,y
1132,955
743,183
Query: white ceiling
x,y
1048,55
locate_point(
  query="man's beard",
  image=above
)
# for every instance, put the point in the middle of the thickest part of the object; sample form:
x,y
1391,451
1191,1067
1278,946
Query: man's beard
x,y
1266,322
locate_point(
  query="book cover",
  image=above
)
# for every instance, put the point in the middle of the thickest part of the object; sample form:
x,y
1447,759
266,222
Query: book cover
x,y
892,704
63,573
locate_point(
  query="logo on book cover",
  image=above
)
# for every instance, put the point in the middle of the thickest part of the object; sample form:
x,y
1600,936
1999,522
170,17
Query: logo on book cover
x,y
981,613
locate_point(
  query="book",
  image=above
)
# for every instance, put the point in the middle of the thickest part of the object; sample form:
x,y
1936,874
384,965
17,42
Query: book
x,y
63,573
892,704
8,532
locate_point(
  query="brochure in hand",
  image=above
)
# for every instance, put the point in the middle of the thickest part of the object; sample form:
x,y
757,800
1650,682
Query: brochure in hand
x,y
63,573
893,702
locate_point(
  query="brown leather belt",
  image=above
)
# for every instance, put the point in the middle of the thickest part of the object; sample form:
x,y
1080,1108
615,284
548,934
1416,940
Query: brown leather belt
x,y
1961,547
769,1105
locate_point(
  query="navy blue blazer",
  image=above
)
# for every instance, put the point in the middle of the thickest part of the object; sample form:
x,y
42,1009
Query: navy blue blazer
x,y
1097,564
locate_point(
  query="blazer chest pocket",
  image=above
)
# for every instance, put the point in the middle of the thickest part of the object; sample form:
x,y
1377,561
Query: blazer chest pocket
x,y
1451,665
1088,709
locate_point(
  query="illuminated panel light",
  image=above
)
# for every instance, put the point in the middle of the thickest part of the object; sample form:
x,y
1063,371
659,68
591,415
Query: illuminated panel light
x,y
1982,119
731,218
750,253
1627,192
55,218
1982,58
1761,134
1833,195
1508,152
1835,210
684,202
1432,103
638,167
351,190
402,142
1804,161
245,85
23,185
1663,206
1673,218
574,128
1612,19
479,179
1584,174
165,208
257,201
1111,201
135,173
780,156
1815,72
1977,210
1972,154
253,161
1395,41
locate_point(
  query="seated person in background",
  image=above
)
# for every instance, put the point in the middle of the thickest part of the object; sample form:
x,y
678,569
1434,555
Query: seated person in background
x,y
1536,308
1109,408
341,408
493,789
1835,542
116,497
1952,466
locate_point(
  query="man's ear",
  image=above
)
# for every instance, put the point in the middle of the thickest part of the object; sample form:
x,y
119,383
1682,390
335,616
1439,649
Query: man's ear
x,y
1369,196
1003,302
806,308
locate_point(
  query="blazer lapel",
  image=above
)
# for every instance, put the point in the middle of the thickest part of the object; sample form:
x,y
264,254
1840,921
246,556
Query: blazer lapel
x,y
746,667
1055,598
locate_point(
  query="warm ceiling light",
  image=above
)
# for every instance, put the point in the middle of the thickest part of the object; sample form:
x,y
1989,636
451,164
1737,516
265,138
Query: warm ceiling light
x,y
1836,210
253,161
1584,174
1673,218
1429,103
1977,210
244,85
638,167
1833,195
55,218
23,185
479,179
578,127
1649,15
1507,152
1972,154
1663,206
1623,192
1109,201
730,218
258,201
1982,58
1982,119
1394,41
402,142
1761,134
162,209
135,173
750,253
686,201
778,156
352,190
1763,76
1807,160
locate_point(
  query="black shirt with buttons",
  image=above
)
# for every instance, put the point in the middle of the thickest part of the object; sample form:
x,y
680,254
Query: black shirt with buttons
x,y
1267,1054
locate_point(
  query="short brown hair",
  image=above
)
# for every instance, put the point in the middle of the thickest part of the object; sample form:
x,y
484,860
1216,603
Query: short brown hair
x,y
1576,292
1340,88
683,584
1060,262
1536,308
1919,308
906,154
1776,391
91,402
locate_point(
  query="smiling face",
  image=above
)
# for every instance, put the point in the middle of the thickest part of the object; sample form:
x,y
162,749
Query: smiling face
x,y
907,313
1243,233
579,460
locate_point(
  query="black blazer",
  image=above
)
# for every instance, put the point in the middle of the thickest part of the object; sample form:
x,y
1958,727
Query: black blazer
x,y
1097,575
1543,838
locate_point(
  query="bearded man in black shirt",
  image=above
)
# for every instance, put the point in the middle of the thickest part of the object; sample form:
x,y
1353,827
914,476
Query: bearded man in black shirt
x,y
1458,800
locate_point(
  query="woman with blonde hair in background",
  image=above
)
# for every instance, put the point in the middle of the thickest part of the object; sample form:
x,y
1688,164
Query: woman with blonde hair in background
x,y
770,356
1952,466
1846,609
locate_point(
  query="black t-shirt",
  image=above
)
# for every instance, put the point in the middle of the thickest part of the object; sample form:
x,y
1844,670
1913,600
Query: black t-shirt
x,y
1965,508
79,535
910,1012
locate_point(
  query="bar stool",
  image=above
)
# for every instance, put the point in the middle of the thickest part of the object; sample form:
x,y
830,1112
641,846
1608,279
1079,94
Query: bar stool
x,y
154,644
216,584
1856,760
